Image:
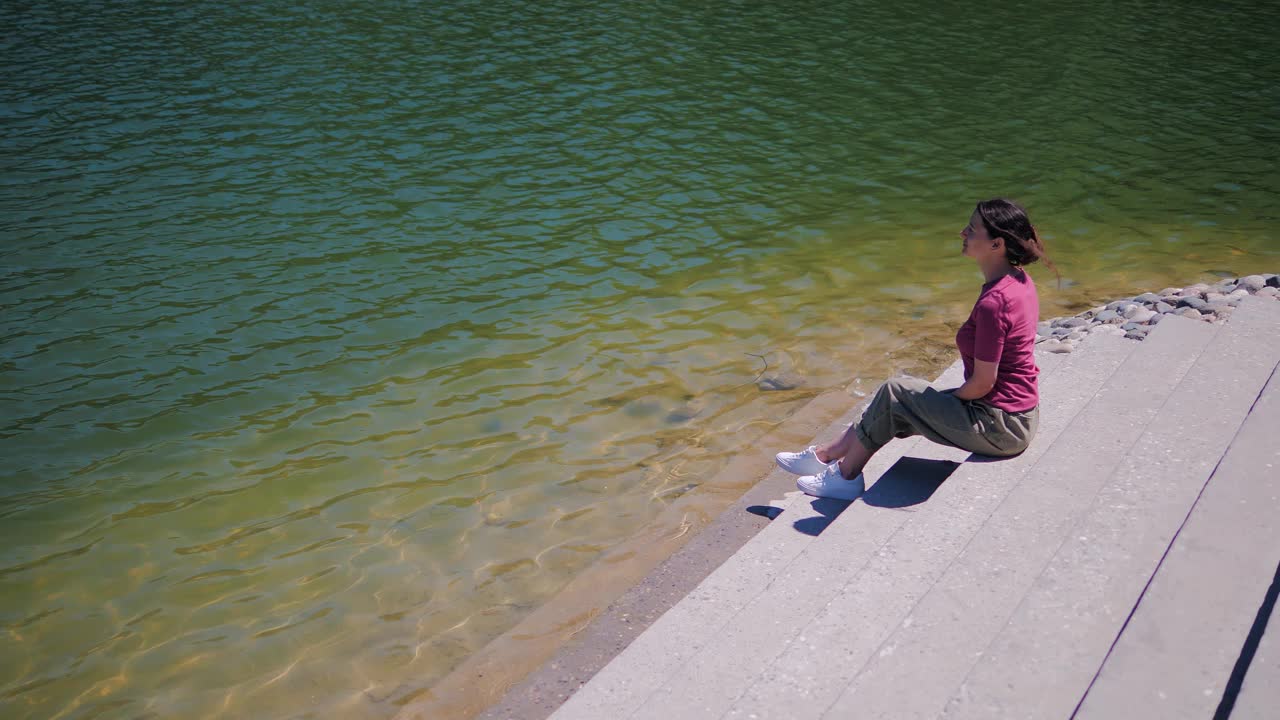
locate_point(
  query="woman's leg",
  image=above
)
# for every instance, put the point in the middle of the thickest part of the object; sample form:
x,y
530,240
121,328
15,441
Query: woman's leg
x,y
855,459
850,451
876,425
838,448
901,408
908,406
904,407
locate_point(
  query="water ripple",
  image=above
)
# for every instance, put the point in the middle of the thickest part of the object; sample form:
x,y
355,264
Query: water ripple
x,y
336,339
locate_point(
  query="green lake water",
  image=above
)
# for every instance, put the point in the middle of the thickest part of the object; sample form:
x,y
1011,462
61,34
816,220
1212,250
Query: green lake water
x,y
339,336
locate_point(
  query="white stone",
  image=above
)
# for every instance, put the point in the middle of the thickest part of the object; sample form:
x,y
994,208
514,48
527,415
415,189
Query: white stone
x,y
1253,282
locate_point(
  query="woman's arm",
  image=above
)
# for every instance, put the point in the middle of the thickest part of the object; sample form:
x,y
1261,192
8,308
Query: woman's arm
x,y
980,383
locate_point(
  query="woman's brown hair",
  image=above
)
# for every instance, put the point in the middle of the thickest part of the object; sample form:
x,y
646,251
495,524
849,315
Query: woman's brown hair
x,y
1022,244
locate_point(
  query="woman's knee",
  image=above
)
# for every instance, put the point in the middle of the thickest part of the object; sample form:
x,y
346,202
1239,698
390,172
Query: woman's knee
x,y
903,386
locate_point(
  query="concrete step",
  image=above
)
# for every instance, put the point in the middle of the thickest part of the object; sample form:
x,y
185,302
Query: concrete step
x,y
659,651
621,686
920,664
1178,649
873,559
1260,693
1042,661
864,583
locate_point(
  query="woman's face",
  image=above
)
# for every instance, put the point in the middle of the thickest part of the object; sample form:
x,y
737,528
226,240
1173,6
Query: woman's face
x,y
977,244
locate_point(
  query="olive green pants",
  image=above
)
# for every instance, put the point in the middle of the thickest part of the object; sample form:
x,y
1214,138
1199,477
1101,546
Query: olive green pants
x,y
909,406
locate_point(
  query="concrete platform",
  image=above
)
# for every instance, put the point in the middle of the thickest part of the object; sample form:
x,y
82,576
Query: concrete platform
x,y
1041,663
1128,553
880,544
686,628
1177,653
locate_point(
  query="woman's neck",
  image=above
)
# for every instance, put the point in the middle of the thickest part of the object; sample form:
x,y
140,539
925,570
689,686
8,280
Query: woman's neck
x,y
997,270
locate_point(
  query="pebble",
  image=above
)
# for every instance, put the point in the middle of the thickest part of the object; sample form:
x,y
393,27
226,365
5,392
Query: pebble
x,y
1106,330
784,381
1134,317
1253,283
683,414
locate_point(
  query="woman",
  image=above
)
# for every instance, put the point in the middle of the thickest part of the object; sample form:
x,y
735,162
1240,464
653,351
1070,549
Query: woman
x,y
995,411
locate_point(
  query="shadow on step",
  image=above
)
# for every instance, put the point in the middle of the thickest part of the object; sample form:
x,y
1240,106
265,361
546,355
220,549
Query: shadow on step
x,y
909,482
826,508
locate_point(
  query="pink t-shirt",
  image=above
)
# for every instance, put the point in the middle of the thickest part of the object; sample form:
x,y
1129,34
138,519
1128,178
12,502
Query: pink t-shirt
x,y
1002,329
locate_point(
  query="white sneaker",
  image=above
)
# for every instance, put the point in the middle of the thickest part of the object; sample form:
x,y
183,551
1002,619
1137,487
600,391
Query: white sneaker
x,y
801,463
831,484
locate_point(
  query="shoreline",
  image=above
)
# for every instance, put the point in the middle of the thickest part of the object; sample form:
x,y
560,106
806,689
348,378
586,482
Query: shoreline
x,y
575,633
529,671
1135,317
